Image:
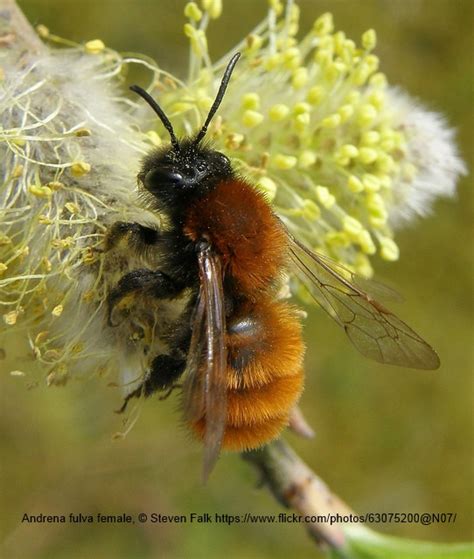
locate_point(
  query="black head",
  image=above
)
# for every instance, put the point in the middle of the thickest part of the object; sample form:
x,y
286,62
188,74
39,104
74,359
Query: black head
x,y
186,168
172,175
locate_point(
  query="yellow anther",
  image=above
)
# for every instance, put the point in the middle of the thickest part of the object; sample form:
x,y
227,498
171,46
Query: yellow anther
x,y
278,112
40,191
355,184
378,80
301,108
372,62
299,78
251,101
272,62
10,318
301,121
277,6
388,249
366,242
337,239
307,158
315,94
17,171
181,107
367,155
375,204
339,40
369,138
57,311
348,150
334,70
55,185
253,43
311,210
83,132
371,182
72,208
213,7
80,168
94,47
360,74
352,226
42,31
369,39
192,11
353,97
324,24
292,58
385,163
332,121
325,198
252,118
346,111
284,162
366,114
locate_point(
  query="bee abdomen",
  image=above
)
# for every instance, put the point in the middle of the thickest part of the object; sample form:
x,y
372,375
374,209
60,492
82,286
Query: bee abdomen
x,y
264,376
256,416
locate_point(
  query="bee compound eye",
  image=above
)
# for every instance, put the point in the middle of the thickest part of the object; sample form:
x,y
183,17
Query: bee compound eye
x,y
158,177
223,159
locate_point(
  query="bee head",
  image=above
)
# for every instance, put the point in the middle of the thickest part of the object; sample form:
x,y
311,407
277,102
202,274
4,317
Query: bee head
x,y
185,167
184,172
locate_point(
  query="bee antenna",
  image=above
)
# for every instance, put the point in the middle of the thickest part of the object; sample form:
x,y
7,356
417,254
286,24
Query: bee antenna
x,y
219,96
159,111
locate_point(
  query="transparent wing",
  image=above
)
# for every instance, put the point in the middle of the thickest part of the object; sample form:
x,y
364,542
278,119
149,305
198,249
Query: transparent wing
x,y
375,331
205,390
194,405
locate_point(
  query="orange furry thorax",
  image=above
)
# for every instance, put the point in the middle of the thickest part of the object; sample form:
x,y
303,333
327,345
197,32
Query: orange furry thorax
x,y
242,228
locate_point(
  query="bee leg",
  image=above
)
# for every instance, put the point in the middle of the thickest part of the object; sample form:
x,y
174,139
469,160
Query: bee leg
x,y
154,283
138,236
135,394
170,390
164,371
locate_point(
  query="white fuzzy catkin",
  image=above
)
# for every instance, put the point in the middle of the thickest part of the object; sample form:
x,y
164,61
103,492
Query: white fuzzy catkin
x,y
70,155
432,152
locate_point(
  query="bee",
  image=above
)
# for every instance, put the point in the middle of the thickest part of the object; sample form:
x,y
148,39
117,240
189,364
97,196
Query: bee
x,y
237,347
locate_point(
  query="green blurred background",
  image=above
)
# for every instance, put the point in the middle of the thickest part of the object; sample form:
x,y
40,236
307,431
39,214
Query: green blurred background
x,y
387,439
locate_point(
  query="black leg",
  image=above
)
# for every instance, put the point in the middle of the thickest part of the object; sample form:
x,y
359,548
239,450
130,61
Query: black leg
x,y
152,283
164,371
138,236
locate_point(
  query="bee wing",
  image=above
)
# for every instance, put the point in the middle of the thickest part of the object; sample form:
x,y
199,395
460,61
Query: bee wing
x,y
205,389
374,330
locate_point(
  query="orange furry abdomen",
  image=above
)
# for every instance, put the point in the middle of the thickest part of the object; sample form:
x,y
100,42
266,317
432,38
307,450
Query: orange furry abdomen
x,y
264,375
240,225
